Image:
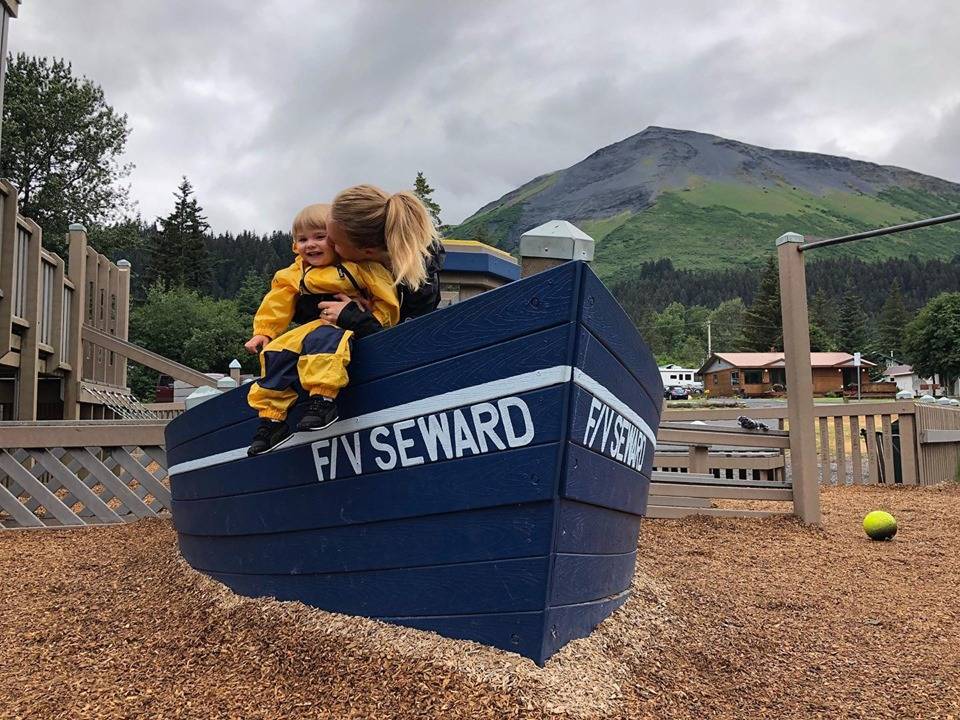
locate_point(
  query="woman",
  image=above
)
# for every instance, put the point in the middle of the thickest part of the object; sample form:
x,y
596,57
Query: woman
x,y
368,224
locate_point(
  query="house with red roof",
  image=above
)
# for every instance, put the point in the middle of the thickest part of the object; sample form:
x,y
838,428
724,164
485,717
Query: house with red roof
x,y
758,374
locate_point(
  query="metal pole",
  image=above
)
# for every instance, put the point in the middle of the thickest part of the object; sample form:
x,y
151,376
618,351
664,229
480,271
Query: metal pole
x,y
709,342
882,231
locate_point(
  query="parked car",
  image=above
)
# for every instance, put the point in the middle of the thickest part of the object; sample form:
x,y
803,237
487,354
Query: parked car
x,y
676,392
164,390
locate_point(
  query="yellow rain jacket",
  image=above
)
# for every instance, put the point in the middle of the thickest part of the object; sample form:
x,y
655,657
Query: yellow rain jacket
x,y
317,352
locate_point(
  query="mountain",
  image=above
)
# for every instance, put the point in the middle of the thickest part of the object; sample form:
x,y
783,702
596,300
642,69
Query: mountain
x,y
710,203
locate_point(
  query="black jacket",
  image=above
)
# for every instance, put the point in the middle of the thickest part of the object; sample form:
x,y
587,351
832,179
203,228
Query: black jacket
x,y
413,303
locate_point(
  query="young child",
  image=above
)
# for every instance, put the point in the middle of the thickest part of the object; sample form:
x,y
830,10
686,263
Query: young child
x,y
317,352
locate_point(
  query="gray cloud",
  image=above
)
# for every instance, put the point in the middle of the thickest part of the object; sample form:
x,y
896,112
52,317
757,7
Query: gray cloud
x,y
269,106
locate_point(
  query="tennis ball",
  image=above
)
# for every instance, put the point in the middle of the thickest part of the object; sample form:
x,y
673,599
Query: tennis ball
x,y
880,525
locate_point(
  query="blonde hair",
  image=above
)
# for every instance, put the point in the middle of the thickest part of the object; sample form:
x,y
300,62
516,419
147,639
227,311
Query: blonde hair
x,y
399,223
312,217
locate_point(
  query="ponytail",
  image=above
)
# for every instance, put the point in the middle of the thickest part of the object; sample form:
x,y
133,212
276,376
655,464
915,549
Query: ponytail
x,y
398,223
409,232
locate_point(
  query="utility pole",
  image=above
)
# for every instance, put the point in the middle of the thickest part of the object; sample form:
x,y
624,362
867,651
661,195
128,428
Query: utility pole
x,y
709,342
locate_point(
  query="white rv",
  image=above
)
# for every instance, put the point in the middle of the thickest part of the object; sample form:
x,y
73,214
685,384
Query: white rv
x,y
674,375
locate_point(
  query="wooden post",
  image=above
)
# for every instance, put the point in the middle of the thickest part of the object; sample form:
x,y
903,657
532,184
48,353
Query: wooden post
x,y
56,316
101,309
89,313
552,244
908,449
29,340
796,346
8,244
112,316
77,272
699,459
123,315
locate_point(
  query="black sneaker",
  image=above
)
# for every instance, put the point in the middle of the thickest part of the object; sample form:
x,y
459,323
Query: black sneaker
x,y
269,434
321,413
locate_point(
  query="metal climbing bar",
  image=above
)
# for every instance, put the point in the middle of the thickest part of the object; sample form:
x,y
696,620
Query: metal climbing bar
x,y
881,231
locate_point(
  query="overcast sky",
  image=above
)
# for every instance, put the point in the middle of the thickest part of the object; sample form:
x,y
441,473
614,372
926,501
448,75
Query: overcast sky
x,y
267,106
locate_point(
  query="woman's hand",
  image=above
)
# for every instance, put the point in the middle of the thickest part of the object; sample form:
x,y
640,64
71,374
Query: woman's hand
x,y
330,309
256,344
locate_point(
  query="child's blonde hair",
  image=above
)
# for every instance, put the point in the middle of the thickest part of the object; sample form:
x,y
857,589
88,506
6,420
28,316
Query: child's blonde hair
x,y
399,223
312,217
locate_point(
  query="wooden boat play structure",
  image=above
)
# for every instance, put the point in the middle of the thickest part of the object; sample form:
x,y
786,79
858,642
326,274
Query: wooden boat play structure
x,y
486,480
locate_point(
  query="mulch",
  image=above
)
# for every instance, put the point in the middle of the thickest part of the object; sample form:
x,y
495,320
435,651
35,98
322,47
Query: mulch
x,y
728,619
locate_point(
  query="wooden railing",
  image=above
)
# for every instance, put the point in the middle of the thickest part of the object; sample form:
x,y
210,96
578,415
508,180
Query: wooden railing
x,y
938,436
872,443
694,487
846,455
62,474
166,410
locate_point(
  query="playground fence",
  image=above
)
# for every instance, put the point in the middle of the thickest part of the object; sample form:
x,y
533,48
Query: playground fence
x,y
74,473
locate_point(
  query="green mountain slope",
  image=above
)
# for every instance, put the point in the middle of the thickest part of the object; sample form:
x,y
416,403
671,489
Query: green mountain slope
x,y
708,203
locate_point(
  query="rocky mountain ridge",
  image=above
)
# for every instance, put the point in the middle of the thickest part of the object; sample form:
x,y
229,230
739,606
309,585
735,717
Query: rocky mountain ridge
x,y
709,202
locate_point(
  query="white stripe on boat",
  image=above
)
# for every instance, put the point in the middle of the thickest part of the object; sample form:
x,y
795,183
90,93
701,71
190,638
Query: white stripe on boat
x,y
513,385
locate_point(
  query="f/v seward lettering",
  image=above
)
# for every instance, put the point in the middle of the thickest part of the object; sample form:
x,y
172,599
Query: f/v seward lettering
x,y
474,430
614,435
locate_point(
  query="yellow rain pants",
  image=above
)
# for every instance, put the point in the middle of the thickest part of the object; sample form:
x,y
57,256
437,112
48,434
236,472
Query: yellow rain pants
x,y
315,354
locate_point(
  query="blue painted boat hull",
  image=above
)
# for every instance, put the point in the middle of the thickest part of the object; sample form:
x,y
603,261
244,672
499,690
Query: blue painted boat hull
x,y
486,480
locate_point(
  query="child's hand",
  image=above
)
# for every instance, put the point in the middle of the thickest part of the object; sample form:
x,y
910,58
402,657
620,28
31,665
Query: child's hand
x,y
365,302
256,344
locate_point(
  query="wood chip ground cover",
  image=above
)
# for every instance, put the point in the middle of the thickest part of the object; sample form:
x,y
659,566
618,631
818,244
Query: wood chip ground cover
x,y
728,618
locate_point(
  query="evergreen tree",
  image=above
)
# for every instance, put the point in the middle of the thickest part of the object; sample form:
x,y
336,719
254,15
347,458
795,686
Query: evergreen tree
x,y
62,145
823,315
852,332
763,323
892,323
423,191
119,239
820,341
251,292
178,253
726,326
656,284
482,234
